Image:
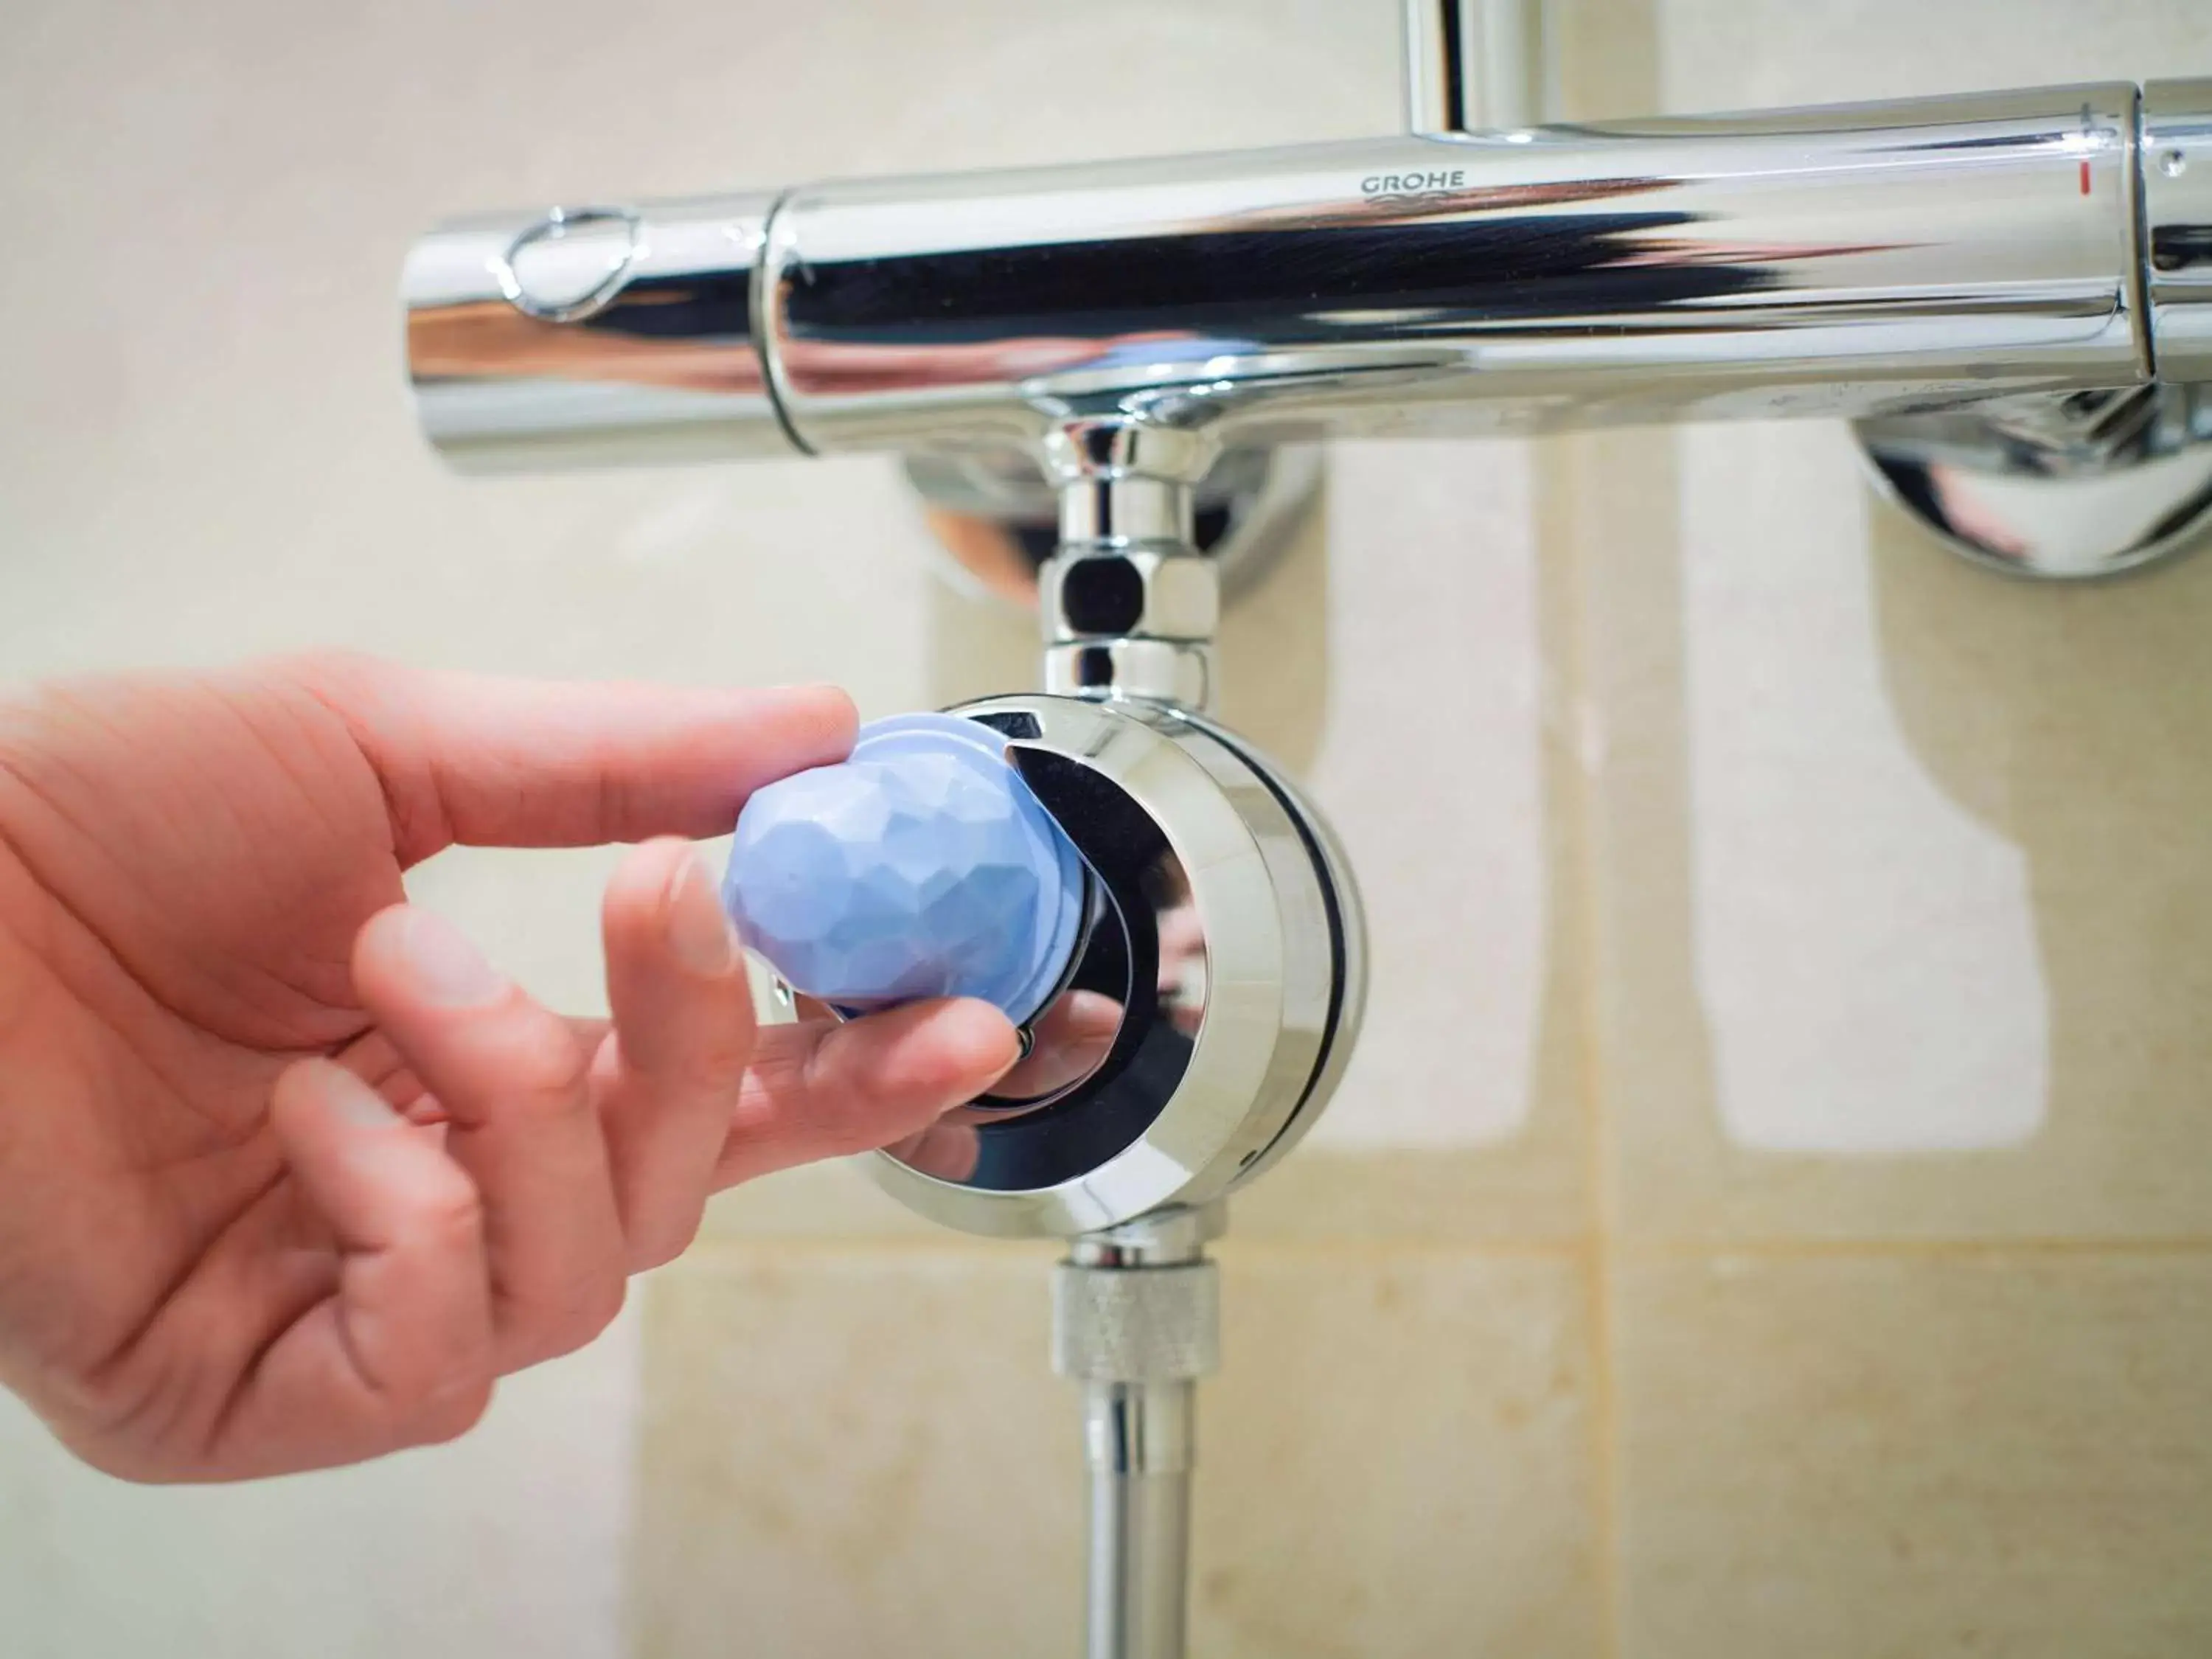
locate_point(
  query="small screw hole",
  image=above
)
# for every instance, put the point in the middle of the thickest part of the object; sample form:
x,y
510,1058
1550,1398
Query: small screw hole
x,y
2174,164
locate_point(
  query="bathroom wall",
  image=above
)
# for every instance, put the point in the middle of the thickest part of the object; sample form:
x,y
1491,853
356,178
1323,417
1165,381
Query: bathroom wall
x,y
1772,1211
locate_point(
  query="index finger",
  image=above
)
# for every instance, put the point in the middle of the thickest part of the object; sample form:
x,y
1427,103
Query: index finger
x,y
480,761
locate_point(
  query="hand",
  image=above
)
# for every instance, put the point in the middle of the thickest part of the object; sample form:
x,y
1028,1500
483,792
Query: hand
x,y
288,1176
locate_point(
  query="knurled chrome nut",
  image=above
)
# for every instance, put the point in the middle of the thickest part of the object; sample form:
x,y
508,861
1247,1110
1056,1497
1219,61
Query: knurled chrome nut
x,y
1136,1324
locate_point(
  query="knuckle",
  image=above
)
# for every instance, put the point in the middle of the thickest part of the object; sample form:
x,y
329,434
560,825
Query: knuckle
x,y
847,1109
602,1306
728,1052
118,1459
659,1245
451,1409
576,1320
811,1105
848,1122
450,1217
635,893
330,668
706,1059
701,1084
547,1077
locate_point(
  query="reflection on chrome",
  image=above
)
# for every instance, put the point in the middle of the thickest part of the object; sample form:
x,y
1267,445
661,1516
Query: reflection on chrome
x,y
2087,485
1076,1035
1183,965
1068,1044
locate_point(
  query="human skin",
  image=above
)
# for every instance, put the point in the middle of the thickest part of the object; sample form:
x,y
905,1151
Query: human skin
x,y
289,1176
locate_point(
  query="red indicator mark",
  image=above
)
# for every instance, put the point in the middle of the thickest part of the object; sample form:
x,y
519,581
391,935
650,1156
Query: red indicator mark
x,y
2084,178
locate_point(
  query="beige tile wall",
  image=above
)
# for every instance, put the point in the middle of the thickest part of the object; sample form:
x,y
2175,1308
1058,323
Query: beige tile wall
x,y
1771,1212
1902,979
857,1450
1864,1455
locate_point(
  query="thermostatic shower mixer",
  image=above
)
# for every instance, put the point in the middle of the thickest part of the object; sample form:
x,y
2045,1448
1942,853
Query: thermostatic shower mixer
x,y
1178,939
2011,293
1153,905
1120,371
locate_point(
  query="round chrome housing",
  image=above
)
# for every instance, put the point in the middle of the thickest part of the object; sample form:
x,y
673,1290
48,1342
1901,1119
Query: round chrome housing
x,y
1212,1009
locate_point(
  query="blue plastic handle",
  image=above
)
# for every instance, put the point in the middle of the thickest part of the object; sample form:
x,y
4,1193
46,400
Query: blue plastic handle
x,y
922,866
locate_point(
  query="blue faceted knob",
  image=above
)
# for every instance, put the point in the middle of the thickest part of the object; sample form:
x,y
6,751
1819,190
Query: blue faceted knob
x,y
922,866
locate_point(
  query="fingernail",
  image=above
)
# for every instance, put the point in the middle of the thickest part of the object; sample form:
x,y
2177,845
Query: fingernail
x,y
698,932
351,1101
446,967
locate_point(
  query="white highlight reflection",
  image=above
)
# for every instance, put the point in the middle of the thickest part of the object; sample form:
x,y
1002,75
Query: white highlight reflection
x,y
1865,948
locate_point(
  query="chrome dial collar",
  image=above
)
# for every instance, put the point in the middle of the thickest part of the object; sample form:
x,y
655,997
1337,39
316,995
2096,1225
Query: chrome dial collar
x,y
1239,989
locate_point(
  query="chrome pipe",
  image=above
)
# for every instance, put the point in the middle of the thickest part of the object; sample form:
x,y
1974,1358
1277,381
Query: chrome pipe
x,y
1137,1590
1472,65
1861,261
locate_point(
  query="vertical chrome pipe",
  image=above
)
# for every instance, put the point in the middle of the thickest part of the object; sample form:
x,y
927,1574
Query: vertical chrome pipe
x,y
1475,65
1136,1321
1436,66
1138,1440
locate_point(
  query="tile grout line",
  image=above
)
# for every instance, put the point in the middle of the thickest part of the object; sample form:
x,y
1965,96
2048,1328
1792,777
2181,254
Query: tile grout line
x,y
1557,476
1986,1248
1407,1247
1595,74
896,1247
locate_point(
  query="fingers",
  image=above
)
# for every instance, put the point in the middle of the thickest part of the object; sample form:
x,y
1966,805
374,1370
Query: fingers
x,y
1069,1042
947,1150
372,1058
403,1354
487,762
684,1030
514,1084
818,1090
